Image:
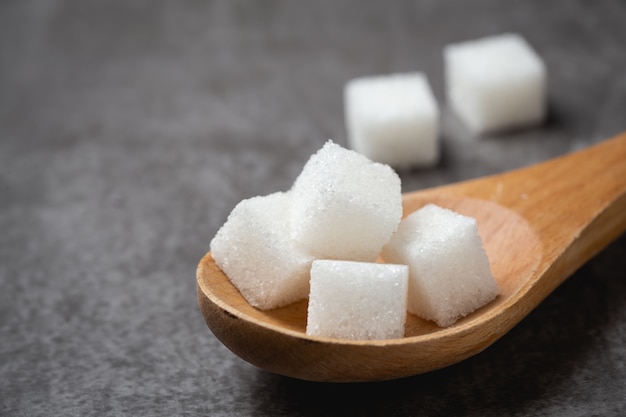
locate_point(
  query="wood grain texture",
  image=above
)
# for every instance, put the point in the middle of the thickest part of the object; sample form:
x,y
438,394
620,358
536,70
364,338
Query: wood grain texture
x,y
538,224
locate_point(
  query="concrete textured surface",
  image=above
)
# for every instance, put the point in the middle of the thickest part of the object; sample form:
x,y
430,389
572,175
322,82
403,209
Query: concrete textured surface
x,y
130,129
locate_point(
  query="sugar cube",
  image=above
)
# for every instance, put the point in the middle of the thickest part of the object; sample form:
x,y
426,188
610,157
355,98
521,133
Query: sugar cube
x,y
449,273
495,83
357,300
344,205
393,119
255,251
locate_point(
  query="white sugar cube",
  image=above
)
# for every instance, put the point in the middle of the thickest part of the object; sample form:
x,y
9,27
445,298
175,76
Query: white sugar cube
x,y
495,83
449,274
357,300
344,205
393,119
255,251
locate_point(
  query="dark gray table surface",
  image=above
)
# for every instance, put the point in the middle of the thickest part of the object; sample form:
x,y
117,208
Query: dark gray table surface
x,y
130,129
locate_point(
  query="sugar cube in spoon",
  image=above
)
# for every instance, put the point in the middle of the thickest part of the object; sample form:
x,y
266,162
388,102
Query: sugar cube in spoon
x,y
357,300
255,250
449,273
345,206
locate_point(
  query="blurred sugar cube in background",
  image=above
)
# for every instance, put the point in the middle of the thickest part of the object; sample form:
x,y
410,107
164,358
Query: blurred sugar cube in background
x,y
495,83
449,273
255,251
357,300
393,119
344,205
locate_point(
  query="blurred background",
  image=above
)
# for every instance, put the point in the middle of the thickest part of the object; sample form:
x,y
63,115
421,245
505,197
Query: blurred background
x,y
130,129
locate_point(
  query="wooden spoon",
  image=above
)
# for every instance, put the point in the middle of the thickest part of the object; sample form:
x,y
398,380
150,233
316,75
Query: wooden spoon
x,y
538,224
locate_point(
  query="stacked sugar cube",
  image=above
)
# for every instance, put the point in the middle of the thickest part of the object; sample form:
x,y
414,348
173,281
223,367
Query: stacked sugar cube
x,y
495,83
342,205
449,270
393,119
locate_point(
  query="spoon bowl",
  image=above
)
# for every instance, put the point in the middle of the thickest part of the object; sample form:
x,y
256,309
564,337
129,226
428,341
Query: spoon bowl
x,y
538,224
